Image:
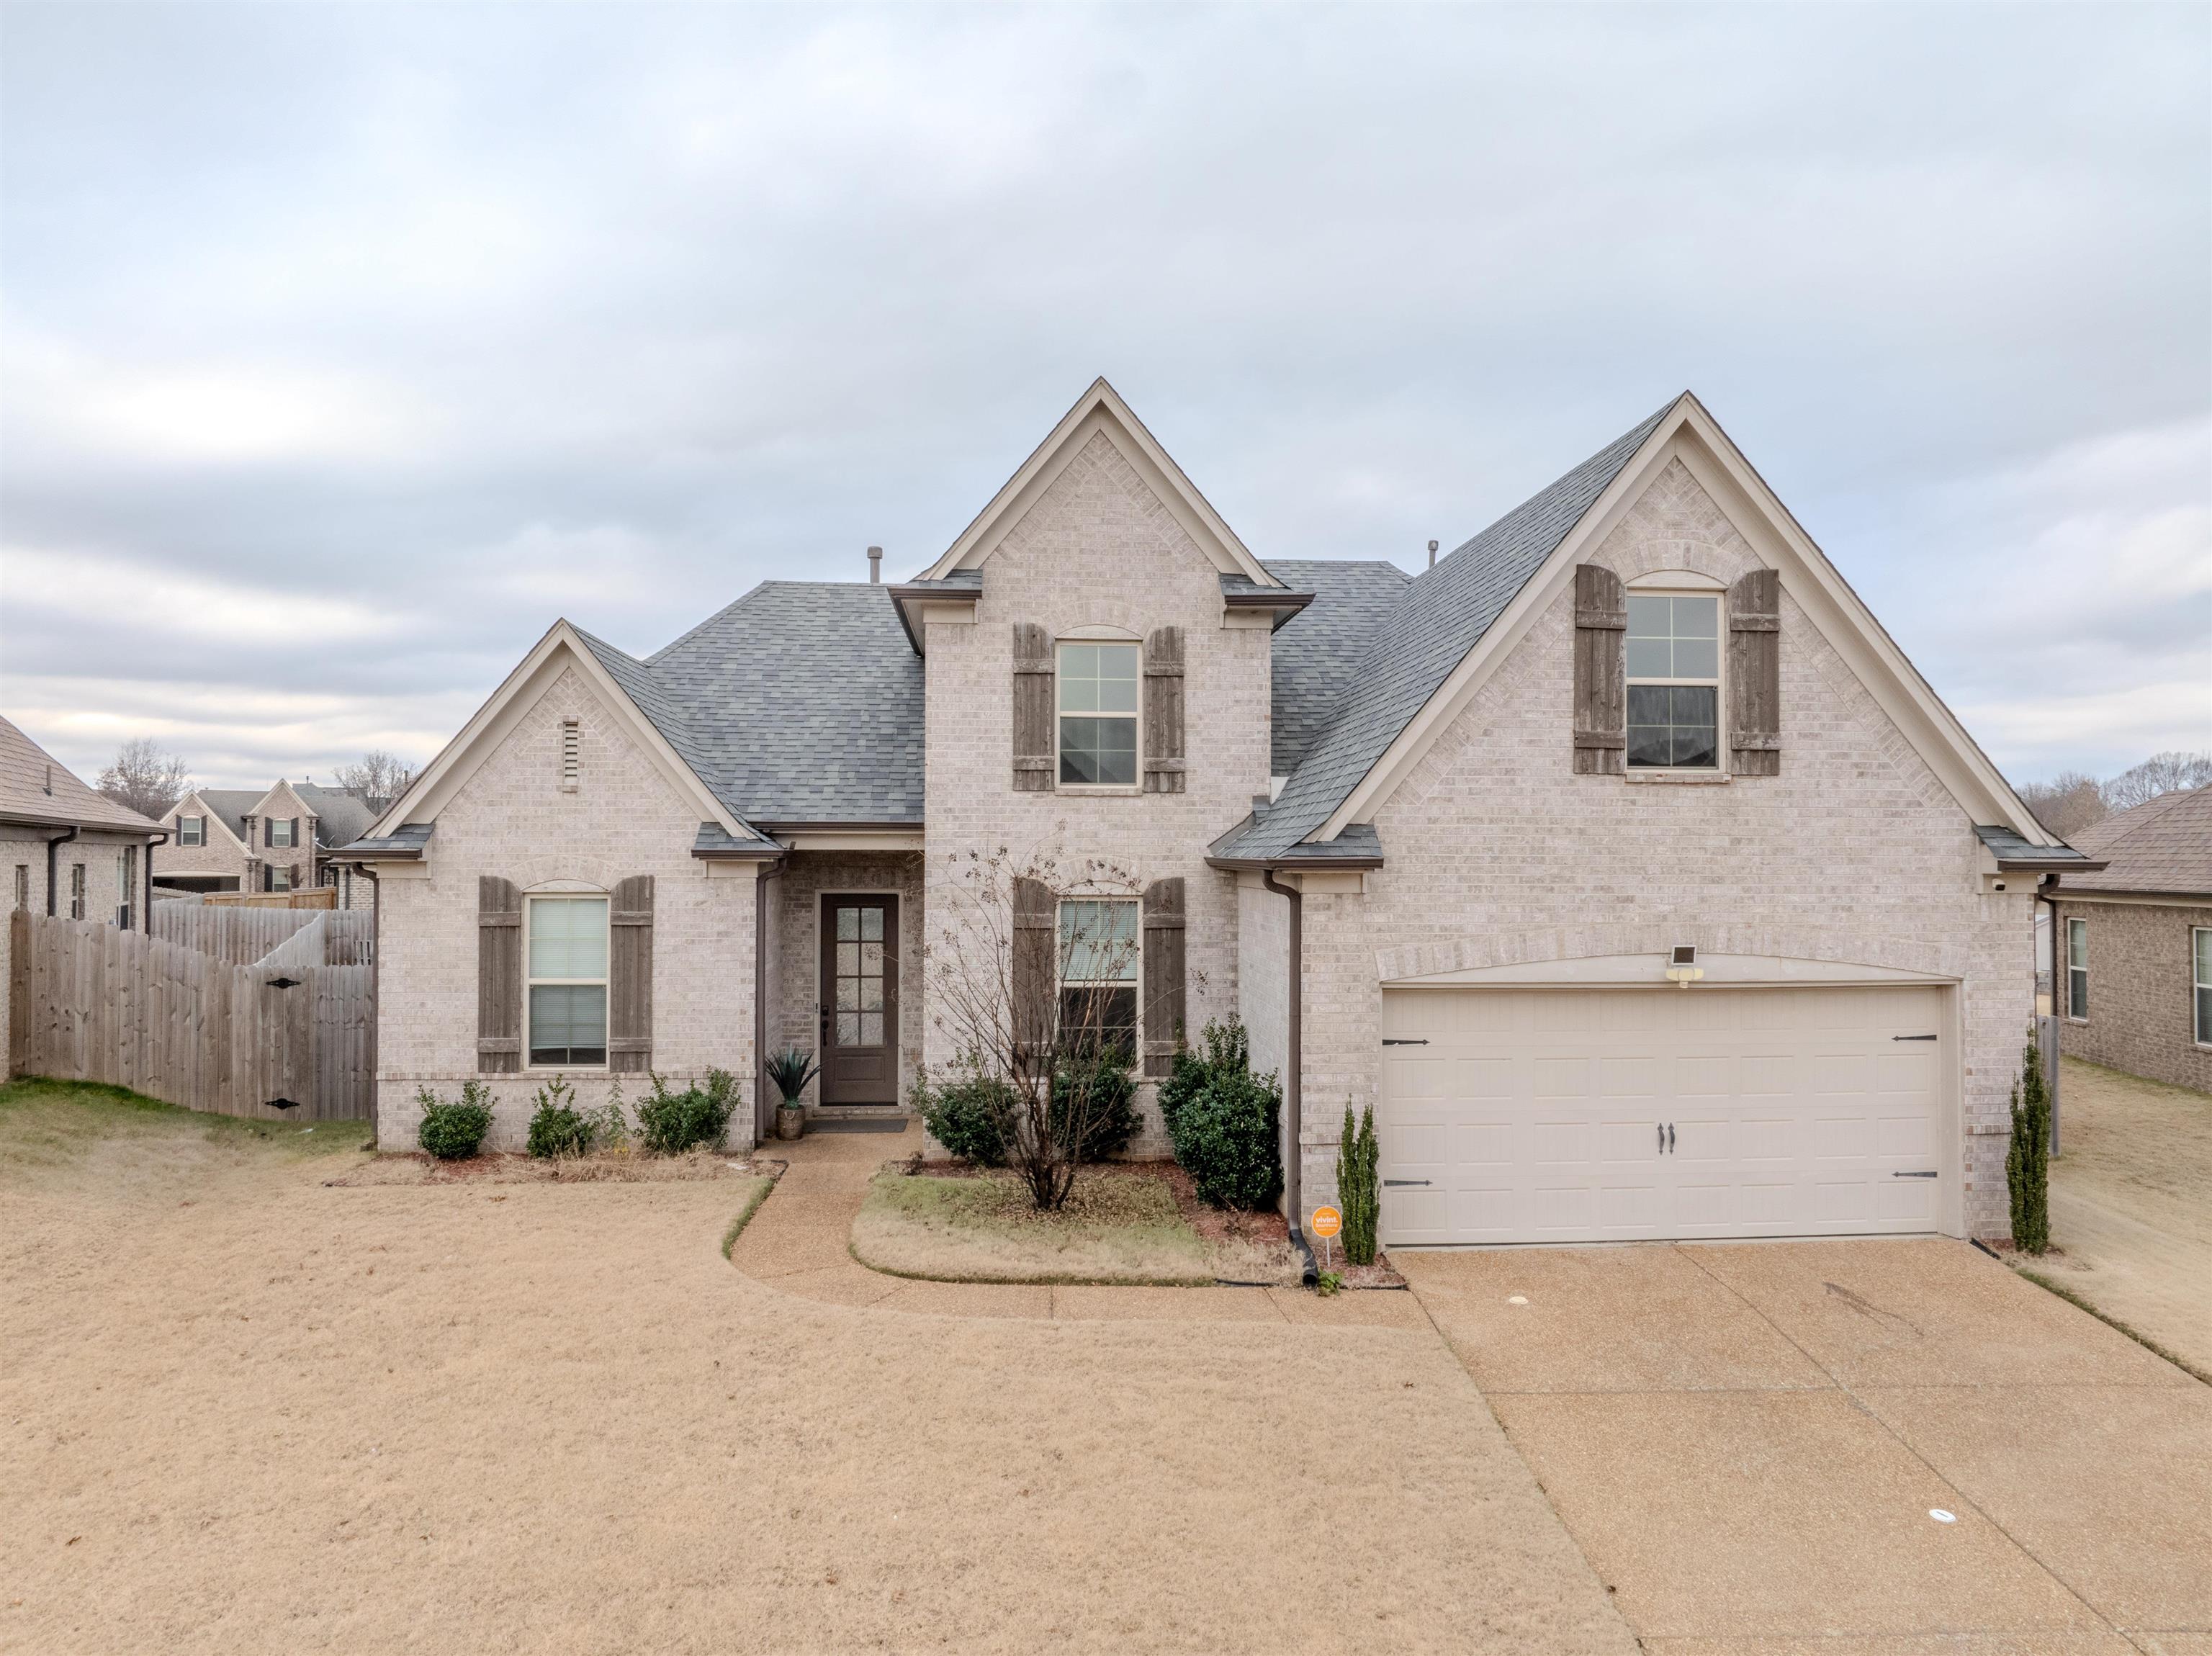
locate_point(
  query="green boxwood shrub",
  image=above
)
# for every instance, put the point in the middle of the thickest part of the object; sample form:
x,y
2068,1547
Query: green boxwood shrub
x,y
965,1113
557,1127
1106,1093
453,1133
1226,1122
670,1123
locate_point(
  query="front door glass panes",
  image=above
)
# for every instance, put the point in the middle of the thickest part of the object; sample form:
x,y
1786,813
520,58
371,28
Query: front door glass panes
x,y
857,977
1674,683
568,962
1098,714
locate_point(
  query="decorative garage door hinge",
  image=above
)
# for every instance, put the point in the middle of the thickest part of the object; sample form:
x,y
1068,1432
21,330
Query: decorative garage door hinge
x,y
1390,1184
1387,1042
1912,1037
1930,1173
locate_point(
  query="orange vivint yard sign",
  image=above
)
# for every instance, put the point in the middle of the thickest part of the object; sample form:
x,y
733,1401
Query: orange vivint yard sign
x,y
1326,1221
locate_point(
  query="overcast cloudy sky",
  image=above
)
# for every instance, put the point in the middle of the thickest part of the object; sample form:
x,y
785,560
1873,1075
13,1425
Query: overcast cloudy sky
x,y
346,346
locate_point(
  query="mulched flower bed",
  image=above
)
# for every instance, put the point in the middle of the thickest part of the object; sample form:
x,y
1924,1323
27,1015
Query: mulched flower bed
x,y
512,1167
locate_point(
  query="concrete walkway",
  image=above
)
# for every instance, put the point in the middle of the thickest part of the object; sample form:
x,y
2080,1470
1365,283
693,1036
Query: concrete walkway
x,y
800,1242
1748,1441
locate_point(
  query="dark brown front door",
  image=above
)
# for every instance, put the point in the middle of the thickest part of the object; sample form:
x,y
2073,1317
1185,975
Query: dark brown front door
x,y
860,1000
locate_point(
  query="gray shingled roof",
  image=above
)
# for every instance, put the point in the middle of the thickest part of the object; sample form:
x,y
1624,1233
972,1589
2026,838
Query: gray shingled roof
x,y
1439,618
2163,844
1318,651
801,703
340,818
232,804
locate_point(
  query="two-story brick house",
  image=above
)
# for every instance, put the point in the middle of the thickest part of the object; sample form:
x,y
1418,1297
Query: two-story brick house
x,y
275,840
1621,860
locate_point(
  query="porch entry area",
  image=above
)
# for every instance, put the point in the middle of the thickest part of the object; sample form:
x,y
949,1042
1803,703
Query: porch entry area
x,y
860,989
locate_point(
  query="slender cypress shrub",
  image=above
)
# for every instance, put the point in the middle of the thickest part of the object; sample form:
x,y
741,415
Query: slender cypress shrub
x,y
2027,1158
1357,1191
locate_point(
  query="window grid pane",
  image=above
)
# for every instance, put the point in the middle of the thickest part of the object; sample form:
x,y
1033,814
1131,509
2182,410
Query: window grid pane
x,y
1098,941
1097,690
569,938
568,1023
1674,726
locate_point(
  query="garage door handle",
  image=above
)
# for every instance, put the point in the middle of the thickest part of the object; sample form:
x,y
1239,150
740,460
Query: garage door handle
x,y
1912,1037
1392,1184
1387,1041
1930,1173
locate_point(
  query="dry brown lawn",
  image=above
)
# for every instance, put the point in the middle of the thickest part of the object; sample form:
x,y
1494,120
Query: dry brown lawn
x,y
2131,1205
247,1411
1119,1226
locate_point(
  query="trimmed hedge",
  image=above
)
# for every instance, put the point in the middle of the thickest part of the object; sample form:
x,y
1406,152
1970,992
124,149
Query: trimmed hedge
x,y
671,1123
967,1115
1226,1122
455,1133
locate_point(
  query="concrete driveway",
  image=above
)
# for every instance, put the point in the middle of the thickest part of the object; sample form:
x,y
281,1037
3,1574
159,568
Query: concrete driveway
x,y
1748,1441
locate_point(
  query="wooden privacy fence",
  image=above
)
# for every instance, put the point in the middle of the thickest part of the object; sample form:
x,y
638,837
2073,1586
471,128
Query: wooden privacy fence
x,y
88,1002
314,896
243,935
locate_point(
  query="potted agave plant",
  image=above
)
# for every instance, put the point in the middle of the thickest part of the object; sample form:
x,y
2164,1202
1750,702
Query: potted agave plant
x,y
791,1070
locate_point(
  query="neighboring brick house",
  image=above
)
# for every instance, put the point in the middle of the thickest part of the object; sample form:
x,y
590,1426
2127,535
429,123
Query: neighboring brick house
x,y
65,849
279,840
2134,984
1621,860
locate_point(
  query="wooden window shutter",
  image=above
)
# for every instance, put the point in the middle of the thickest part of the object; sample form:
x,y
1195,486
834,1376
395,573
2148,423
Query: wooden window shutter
x,y
1754,666
499,975
629,975
1601,662
296,830
1163,737
1036,964
1034,678
1164,1016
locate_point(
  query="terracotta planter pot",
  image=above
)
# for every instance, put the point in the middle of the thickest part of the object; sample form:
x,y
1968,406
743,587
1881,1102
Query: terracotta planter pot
x,y
790,1120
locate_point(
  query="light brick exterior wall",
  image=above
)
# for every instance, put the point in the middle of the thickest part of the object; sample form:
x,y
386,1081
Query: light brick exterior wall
x,y
795,983
2141,991
1498,853
26,848
1098,548
511,819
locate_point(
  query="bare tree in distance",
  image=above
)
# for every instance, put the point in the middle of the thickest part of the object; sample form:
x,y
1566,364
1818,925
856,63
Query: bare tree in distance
x,y
1033,976
146,776
2161,773
376,779
2067,804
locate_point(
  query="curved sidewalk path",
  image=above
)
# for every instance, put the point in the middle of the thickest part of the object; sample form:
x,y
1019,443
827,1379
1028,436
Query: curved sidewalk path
x,y
800,1242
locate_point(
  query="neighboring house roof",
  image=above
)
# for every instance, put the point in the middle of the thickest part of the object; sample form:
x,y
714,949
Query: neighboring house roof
x,y
232,804
340,817
2161,846
39,790
1318,651
1439,617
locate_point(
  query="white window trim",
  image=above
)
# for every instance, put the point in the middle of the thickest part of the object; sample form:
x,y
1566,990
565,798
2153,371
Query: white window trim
x,y
2072,922
198,831
1134,983
2198,1037
1136,720
280,825
530,902
1718,770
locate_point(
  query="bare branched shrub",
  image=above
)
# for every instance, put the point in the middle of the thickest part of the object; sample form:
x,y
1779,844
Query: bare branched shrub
x,y
1032,977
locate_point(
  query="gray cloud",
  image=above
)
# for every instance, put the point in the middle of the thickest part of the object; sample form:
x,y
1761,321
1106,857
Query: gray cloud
x,y
348,346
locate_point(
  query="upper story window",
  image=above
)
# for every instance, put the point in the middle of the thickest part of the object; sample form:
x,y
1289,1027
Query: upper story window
x,y
1674,683
283,831
1098,714
2077,968
192,830
567,1003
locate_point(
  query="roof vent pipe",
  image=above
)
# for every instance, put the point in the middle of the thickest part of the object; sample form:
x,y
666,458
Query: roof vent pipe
x,y
1432,555
875,564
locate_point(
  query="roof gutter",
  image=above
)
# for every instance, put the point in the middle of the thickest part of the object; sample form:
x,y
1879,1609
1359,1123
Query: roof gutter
x,y
146,903
1356,864
1294,1069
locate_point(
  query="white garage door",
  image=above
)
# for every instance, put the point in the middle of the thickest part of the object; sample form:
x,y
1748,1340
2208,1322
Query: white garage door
x,y
1596,1115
